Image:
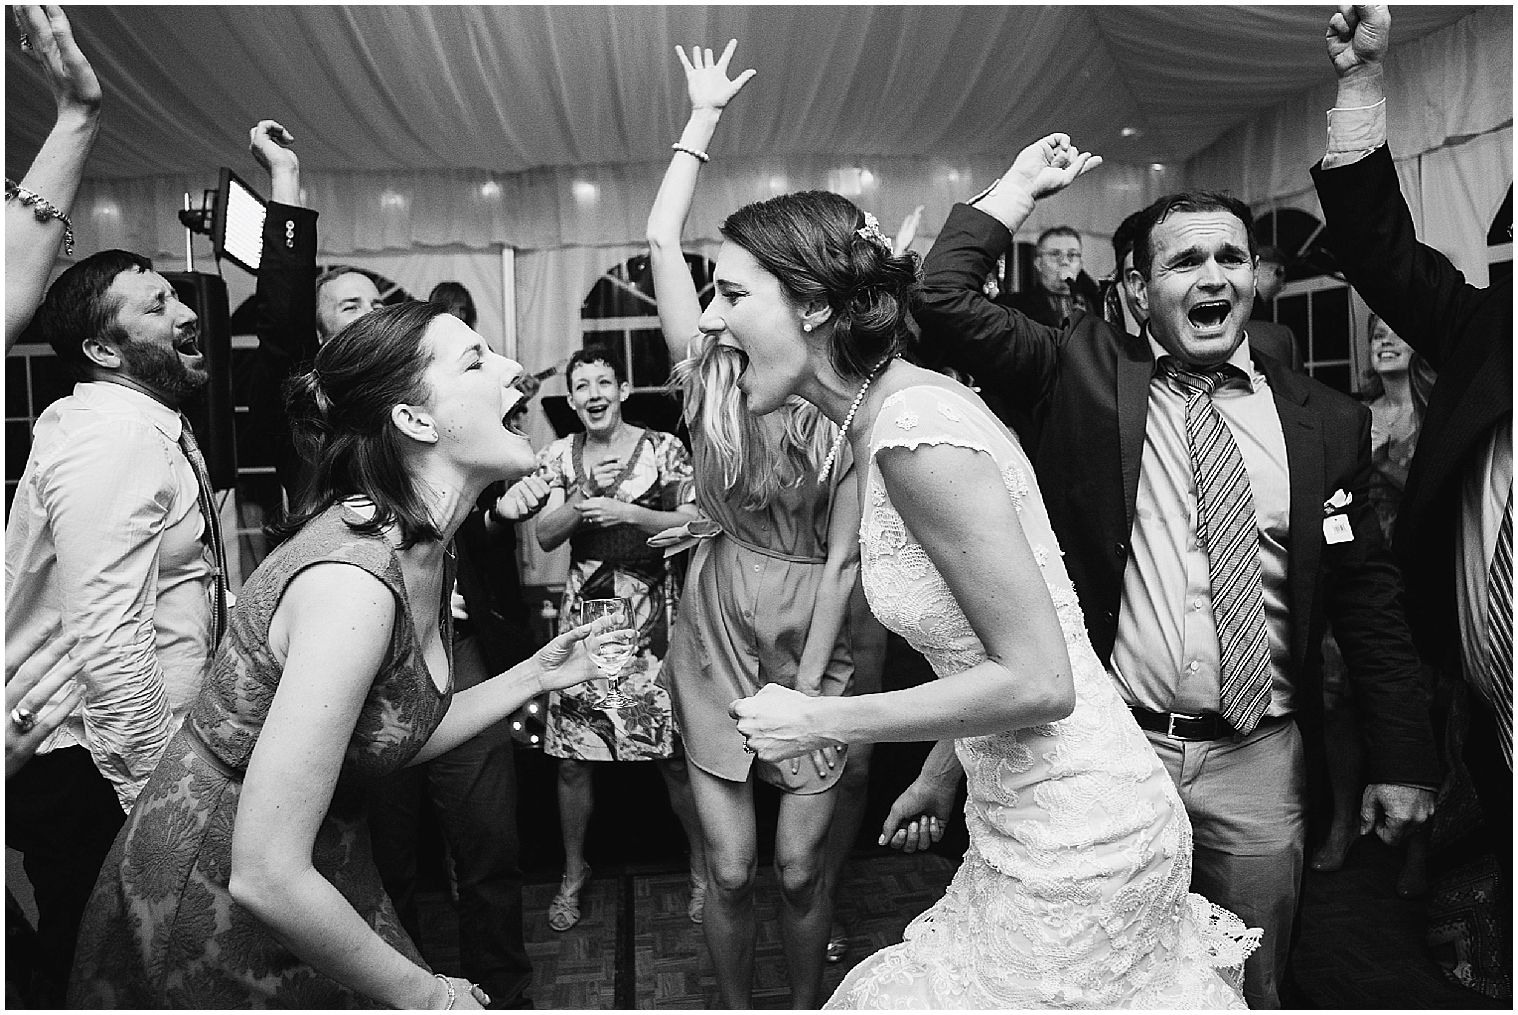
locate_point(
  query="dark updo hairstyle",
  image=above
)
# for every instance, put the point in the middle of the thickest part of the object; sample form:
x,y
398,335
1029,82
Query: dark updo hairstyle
x,y
810,241
339,413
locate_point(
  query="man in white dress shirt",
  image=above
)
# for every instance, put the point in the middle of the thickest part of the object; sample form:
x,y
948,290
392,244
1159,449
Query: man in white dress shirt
x,y
107,542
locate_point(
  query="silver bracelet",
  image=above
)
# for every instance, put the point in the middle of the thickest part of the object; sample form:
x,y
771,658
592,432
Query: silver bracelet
x,y
702,156
453,994
45,209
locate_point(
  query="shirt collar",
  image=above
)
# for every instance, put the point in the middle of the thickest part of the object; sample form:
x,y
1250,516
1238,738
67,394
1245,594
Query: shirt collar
x,y
106,394
1240,360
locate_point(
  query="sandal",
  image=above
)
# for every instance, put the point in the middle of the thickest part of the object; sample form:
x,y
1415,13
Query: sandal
x,y
697,908
564,910
838,943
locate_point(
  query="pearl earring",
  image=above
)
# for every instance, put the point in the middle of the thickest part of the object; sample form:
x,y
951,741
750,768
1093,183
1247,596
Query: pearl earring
x,y
807,326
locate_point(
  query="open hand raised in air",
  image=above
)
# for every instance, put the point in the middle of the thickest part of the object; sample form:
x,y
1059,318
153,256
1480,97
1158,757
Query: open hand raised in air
x,y
48,41
1049,165
706,79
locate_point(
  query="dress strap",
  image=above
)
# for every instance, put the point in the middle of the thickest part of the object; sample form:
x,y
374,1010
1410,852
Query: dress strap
x,y
578,450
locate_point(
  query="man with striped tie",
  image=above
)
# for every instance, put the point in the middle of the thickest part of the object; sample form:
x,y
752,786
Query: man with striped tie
x,y
1212,507
112,540
1454,535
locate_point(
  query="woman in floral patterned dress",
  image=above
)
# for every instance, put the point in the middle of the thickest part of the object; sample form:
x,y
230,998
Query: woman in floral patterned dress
x,y
243,876
609,488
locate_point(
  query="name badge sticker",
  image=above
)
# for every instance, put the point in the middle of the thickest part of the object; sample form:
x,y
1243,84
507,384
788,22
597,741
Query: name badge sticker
x,y
1336,529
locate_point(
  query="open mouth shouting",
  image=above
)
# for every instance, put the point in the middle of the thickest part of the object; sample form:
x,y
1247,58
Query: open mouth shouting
x,y
188,342
514,411
1209,318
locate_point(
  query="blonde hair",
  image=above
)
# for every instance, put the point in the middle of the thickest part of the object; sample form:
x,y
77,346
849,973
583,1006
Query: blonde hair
x,y
737,453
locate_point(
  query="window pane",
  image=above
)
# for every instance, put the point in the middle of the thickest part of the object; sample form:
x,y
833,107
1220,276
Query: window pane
x,y
1292,312
1330,324
650,358
51,380
15,386
1336,377
18,444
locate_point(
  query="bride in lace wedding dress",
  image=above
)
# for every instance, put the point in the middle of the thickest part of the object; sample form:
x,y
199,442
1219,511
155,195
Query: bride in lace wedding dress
x,y
1074,890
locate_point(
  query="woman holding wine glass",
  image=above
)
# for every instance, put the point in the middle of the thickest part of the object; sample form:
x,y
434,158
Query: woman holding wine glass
x,y
243,877
607,490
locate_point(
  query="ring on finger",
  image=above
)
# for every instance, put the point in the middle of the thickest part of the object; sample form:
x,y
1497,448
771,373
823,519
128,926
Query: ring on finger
x,y
479,993
25,719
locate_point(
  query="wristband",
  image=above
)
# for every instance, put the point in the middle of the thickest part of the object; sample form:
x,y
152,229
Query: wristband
x,y
699,155
453,994
45,209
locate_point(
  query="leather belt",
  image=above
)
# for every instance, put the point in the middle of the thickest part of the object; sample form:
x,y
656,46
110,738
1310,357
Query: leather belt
x,y
1183,726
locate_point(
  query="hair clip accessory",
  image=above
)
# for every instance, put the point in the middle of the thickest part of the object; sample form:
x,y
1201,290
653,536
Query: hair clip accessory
x,y
871,231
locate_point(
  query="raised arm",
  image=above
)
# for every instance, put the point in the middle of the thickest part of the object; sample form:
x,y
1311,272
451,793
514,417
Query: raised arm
x,y
960,324
1410,285
287,269
710,91
52,182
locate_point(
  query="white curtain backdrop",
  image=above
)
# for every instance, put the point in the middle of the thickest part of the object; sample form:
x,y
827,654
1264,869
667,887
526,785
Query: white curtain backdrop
x,y
1442,90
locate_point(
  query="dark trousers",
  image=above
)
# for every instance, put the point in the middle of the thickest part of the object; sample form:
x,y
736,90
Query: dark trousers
x,y
473,789
63,816
1493,783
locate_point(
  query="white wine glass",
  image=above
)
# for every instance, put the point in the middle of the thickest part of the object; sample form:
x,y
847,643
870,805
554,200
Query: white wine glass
x,y
611,649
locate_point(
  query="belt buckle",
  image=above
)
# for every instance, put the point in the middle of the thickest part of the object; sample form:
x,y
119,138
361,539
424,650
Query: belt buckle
x,y
1170,724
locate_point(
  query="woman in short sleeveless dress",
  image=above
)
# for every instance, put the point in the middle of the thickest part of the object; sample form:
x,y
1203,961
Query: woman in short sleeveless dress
x,y
765,602
243,876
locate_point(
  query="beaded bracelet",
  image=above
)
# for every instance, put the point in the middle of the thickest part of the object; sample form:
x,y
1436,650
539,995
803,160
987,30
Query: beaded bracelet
x,y
678,147
453,994
44,210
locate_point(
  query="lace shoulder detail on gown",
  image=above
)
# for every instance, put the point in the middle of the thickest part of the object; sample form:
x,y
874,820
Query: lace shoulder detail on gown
x,y
904,588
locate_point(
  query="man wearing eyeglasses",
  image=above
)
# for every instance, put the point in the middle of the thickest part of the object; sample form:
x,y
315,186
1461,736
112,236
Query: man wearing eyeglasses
x,y
1060,283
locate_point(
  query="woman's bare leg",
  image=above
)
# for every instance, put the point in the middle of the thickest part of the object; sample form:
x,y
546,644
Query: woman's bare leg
x,y
726,811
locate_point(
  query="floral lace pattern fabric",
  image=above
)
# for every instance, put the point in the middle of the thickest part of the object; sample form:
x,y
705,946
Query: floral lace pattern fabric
x,y
1074,891
162,929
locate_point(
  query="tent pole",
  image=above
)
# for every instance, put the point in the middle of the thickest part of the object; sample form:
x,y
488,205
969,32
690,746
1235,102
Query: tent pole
x,y
509,303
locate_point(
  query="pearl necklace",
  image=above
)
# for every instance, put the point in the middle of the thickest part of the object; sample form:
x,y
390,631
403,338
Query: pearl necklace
x,y
843,429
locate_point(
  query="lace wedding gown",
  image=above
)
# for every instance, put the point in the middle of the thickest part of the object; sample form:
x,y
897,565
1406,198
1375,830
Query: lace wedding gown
x,y
1074,891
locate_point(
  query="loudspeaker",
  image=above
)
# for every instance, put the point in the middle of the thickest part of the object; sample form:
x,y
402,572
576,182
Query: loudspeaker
x,y
210,410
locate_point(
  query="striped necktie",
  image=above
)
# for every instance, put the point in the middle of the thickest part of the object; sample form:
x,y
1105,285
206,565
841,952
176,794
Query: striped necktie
x,y
1228,531
211,532
1498,687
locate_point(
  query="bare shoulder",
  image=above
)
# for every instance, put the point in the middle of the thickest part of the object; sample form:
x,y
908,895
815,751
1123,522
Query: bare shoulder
x,y
334,600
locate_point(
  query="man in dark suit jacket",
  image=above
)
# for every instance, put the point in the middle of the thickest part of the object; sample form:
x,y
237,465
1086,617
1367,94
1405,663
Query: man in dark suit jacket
x,y
1060,285
297,310
1114,464
1459,487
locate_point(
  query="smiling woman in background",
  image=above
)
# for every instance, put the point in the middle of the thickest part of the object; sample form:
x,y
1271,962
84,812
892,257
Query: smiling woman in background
x,y
243,877
605,491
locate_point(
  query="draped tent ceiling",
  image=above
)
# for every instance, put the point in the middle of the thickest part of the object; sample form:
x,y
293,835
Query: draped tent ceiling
x,y
509,89
432,137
